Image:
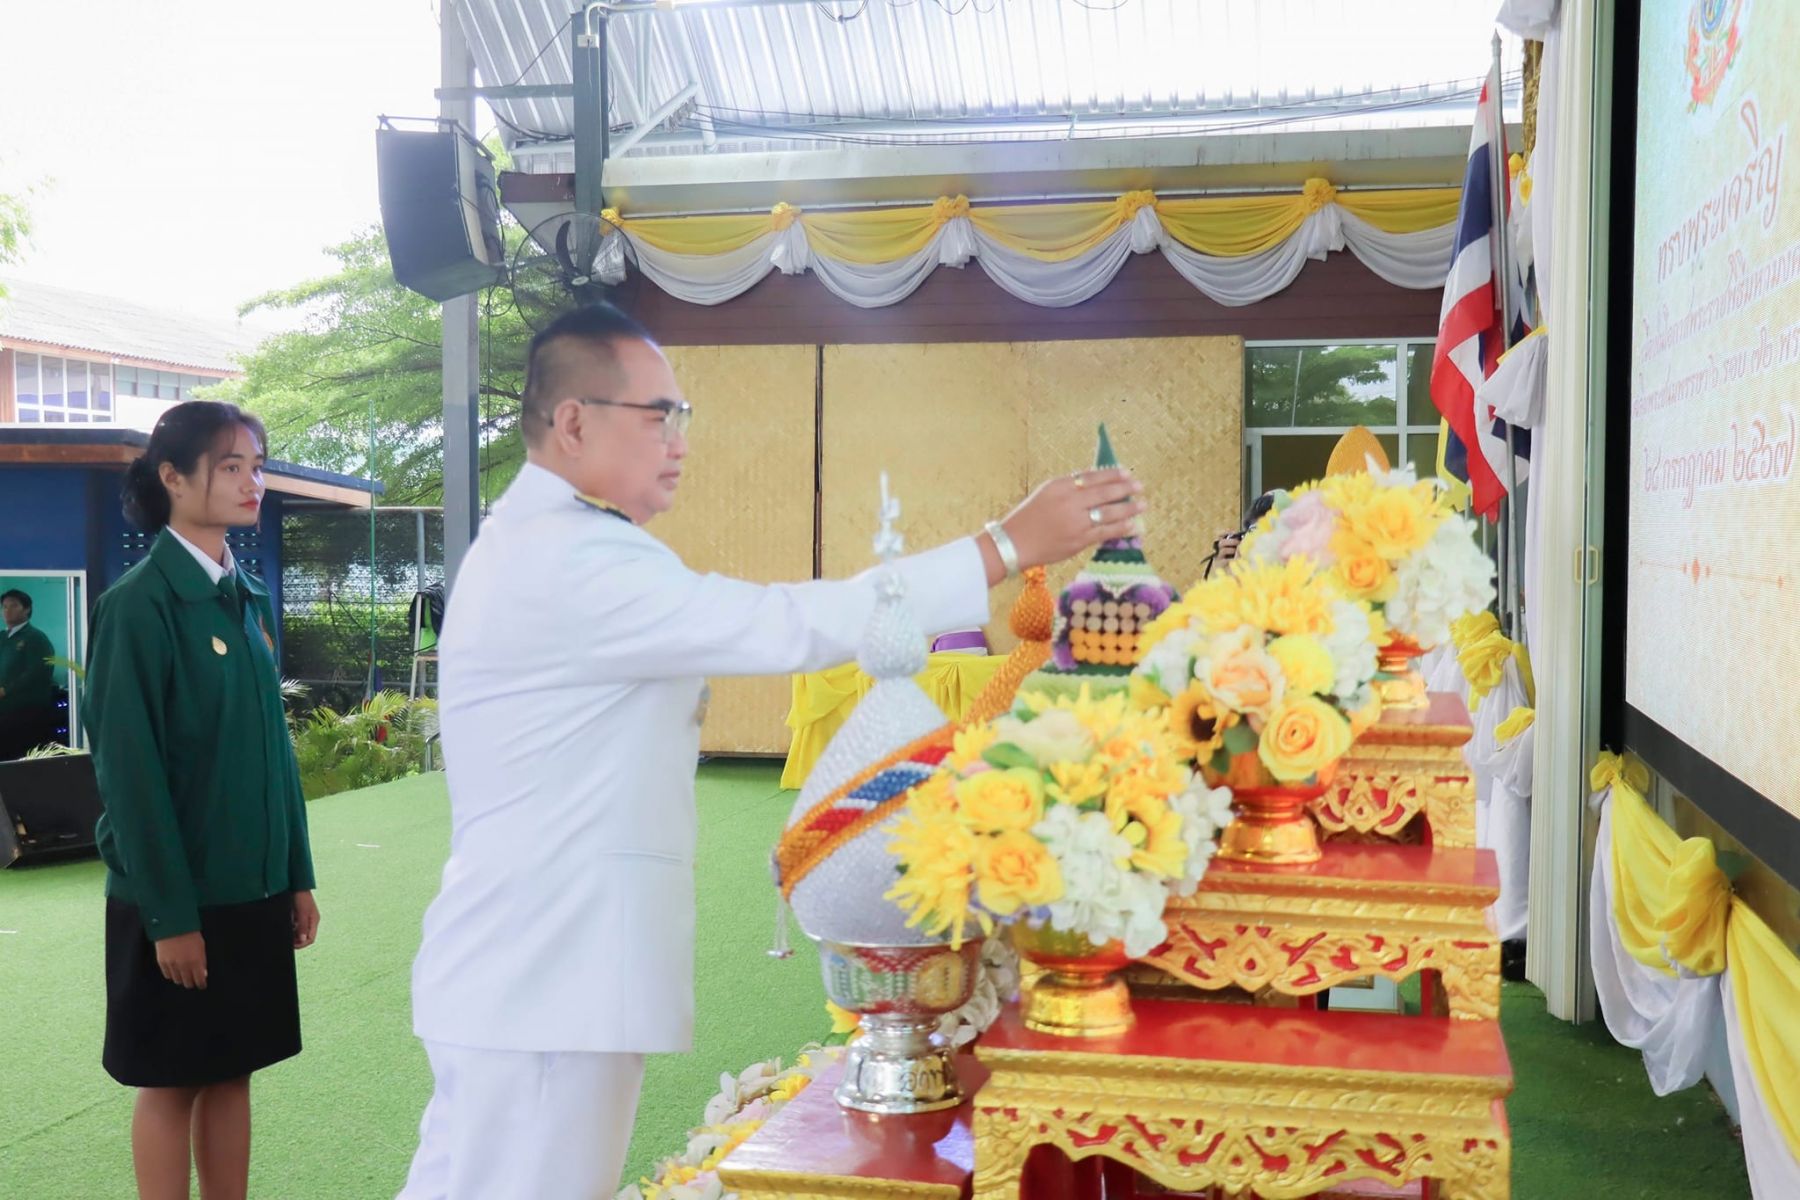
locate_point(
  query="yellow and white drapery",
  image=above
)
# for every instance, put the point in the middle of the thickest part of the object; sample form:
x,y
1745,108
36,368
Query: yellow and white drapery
x,y
1235,249
1677,958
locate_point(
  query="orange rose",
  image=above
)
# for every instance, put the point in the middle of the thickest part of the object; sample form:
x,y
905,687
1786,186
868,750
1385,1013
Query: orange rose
x,y
1239,673
1303,736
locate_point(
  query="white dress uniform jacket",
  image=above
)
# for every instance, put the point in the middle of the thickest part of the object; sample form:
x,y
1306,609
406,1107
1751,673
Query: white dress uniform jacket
x,y
574,656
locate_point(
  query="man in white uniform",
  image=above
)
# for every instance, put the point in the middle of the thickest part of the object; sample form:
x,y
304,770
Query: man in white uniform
x,y
560,948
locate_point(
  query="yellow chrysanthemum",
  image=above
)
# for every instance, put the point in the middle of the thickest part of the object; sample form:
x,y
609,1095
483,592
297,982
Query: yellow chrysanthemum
x,y
1144,694
793,1085
939,856
936,794
968,745
1016,871
1163,850
1077,783
1198,724
1305,662
1395,521
1283,598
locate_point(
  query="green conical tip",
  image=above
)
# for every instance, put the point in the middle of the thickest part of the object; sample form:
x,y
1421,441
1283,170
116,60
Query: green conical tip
x,y
1104,456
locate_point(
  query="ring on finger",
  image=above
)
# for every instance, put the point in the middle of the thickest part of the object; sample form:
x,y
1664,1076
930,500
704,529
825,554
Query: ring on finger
x,y
1080,480
1095,516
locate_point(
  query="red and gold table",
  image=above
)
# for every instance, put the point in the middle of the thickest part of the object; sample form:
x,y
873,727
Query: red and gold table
x,y
1364,909
814,1150
1406,780
1276,1103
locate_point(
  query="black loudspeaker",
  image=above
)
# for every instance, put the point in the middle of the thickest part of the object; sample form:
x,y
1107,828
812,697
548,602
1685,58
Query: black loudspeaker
x,y
48,807
440,210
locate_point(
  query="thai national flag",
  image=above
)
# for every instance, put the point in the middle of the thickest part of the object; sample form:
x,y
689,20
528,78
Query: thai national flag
x,y
1470,335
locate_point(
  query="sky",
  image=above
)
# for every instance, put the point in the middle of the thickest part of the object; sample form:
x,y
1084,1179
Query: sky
x,y
196,153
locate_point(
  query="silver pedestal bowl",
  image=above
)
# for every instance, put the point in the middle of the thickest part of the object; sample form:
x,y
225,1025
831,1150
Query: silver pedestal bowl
x,y
899,992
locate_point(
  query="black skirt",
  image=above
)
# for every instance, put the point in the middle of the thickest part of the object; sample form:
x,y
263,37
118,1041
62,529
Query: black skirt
x,y
159,1034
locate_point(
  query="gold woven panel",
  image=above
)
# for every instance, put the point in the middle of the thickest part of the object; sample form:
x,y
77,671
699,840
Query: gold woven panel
x,y
1175,410
948,425
746,504
965,431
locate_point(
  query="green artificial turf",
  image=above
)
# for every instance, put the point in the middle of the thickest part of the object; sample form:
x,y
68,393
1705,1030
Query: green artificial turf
x,y
340,1121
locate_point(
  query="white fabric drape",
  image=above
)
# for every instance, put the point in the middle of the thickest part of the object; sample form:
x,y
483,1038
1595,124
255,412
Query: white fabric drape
x,y
1677,1021
1774,1173
1503,790
1673,1019
1410,260
1518,390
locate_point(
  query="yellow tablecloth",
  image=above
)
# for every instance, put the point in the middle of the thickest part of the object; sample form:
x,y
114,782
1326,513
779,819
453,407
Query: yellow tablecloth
x,y
823,702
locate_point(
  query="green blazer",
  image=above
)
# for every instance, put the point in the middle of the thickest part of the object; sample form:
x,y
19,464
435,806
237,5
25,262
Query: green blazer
x,y
201,796
25,672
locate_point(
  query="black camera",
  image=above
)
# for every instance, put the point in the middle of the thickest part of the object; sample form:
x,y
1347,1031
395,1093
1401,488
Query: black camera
x,y
1259,508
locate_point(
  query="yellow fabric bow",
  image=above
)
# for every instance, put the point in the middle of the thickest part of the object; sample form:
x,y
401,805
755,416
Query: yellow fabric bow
x,y
1610,769
1472,627
1317,194
947,208
1517,722
1484,664
1129,204
783,216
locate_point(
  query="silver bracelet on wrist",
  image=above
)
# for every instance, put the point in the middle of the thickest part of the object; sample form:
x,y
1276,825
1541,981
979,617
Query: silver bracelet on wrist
x,y
1009,553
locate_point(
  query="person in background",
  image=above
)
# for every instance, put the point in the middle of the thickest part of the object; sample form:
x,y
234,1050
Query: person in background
x,y
209,871
560,948
27,680
1225,546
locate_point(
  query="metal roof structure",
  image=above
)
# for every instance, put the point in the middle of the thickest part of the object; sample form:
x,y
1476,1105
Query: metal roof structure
x,y
58,317
693,77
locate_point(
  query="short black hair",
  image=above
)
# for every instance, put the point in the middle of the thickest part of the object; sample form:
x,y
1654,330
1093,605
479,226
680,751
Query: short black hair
x,y
15,594
581,338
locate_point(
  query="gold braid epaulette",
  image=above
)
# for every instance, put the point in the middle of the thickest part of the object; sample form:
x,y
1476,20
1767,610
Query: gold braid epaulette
x,y
803,846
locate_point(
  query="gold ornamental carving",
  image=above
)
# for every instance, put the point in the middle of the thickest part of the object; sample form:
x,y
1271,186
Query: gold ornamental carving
x,y
794,1185
1383,791
1279,1132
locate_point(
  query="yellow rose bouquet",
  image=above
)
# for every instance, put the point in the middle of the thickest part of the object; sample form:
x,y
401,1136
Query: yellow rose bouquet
x,y
1264,675
1074,813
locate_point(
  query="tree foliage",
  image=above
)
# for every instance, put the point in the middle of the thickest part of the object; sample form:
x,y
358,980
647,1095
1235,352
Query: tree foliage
x,y
1328,385
15,228
366,360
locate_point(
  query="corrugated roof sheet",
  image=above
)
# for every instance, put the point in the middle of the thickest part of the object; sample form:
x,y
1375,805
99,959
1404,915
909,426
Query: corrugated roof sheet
x,y
37,312
799,76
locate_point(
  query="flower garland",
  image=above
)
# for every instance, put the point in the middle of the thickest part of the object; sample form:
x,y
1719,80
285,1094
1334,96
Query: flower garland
x,y
742,1106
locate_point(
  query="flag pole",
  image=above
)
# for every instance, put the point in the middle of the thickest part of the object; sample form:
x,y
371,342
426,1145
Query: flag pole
x,y
1512,552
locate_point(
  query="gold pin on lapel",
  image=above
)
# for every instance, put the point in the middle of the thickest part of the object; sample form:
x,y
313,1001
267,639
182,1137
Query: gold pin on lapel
x,y
218,645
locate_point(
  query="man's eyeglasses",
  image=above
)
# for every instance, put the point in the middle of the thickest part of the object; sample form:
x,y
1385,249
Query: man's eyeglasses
x,y
677,415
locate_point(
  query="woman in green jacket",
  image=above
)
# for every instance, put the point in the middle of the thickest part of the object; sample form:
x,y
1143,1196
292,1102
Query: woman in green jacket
x,y
209,873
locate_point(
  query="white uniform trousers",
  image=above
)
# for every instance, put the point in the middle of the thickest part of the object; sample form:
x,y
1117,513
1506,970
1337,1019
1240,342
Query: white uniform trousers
x,y
519,1125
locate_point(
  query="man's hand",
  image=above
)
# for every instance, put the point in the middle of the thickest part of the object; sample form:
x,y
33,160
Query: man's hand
x,y
1072,513
182,960
306,920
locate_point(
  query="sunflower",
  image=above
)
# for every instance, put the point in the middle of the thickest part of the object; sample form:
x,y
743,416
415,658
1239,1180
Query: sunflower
x,y
1198,724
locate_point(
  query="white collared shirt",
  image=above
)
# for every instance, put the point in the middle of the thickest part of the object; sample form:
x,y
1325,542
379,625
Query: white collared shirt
x,y
12,629
574,652
214,571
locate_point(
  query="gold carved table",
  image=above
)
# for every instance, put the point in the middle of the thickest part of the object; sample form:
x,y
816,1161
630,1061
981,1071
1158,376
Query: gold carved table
x,y
1269,1102
1406,780
1364,909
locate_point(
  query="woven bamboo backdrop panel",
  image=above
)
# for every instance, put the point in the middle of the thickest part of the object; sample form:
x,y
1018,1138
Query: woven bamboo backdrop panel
x,y
1174,408
948,425
746,504
966,430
